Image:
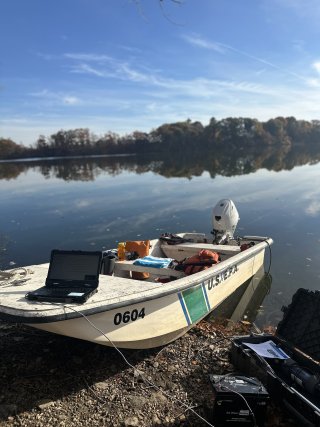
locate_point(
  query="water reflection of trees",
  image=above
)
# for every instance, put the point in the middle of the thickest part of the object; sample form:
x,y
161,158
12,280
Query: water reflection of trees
x,y
188,164
12,170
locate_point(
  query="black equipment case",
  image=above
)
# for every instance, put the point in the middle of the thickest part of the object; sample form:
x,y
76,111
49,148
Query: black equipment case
x,y
238,401
294,382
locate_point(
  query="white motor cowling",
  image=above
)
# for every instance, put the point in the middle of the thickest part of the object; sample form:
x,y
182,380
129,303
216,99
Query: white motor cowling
x,y
225,218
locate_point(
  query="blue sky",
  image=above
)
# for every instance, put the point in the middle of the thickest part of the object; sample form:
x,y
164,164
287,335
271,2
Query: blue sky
x,y
125,65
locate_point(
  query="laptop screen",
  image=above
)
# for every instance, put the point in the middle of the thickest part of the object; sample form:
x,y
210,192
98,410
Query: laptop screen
x,y
74,265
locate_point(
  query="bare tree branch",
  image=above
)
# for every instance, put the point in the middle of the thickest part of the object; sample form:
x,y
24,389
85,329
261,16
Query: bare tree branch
x,y
140,10
161,2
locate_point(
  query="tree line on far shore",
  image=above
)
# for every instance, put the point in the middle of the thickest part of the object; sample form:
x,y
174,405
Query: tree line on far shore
x,y
229,134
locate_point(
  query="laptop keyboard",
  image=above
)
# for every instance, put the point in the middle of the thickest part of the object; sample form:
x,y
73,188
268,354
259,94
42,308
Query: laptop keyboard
x,y
63,292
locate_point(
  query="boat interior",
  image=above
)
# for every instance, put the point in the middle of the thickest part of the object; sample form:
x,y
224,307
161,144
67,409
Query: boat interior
x,y
191,244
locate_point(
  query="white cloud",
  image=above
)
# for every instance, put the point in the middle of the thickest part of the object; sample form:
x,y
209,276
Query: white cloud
x,y
44,93
316,66
87,69
57,98
197,87
198,41
109,68
90,57
314,82
71,100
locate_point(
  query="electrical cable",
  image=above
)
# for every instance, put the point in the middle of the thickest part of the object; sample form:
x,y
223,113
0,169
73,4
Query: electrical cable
x,y
136,370
246,402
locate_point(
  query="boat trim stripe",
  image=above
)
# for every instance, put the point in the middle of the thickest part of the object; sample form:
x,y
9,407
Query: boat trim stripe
x,y
206,295
184,308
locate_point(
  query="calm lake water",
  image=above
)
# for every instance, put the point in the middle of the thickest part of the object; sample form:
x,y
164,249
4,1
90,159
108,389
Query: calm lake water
x,y
91,204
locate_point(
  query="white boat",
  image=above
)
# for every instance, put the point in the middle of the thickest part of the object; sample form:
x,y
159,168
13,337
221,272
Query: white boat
x,y
139,314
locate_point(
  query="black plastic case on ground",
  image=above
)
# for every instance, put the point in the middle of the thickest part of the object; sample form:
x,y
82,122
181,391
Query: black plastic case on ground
x,y
295,383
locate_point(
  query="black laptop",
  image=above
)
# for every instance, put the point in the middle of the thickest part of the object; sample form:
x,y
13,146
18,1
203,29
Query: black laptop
x,y
73,276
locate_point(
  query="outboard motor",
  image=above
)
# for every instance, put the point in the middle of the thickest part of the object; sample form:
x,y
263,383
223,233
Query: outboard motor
x,y
225,218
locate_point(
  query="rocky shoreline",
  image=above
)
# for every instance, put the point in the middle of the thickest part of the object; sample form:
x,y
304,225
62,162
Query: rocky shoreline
x,y
50,380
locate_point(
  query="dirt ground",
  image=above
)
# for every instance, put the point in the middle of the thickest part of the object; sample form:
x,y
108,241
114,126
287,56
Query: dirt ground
x,y
51,380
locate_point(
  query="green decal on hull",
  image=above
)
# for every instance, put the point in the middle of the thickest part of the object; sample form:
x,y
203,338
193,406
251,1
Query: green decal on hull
x,y
195,302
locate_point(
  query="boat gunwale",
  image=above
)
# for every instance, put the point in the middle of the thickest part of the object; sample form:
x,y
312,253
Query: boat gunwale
x,y
75,312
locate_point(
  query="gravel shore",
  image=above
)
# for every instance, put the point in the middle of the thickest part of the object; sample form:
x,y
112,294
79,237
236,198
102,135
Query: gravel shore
x,y
50,380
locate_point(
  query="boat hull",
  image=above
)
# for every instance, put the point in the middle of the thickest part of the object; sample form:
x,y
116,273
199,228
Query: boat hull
x,y
162,319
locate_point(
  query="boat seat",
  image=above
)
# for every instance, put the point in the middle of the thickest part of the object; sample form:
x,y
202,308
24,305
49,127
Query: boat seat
x,y
222,249
129,266
184,250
